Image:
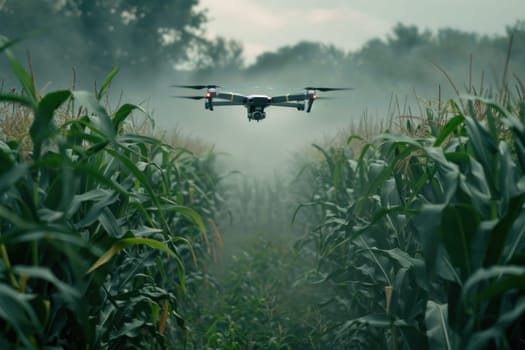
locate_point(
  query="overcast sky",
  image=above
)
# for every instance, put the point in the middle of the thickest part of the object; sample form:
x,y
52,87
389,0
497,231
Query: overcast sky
x,y
263,25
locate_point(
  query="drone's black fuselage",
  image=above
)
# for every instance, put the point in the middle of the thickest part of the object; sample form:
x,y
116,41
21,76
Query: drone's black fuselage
x,y
255,105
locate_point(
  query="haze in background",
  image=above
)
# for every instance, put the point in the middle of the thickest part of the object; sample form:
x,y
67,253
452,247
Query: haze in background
x,y
287,46
267,25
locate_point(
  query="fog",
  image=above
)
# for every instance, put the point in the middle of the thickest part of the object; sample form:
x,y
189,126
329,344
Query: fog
x,y
255,147
396,74
267,147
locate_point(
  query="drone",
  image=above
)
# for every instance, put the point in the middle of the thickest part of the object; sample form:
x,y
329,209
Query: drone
x,y
255,104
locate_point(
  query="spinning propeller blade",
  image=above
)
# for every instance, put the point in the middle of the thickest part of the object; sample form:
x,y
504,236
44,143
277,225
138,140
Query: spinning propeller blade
x,y
197,87
191,97
326,88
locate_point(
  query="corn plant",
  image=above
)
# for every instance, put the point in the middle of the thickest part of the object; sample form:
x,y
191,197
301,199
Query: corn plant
x,y
96,226
420,241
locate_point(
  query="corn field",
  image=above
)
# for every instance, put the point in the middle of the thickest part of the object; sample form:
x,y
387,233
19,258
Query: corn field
x,y
420,239
111,238
99,227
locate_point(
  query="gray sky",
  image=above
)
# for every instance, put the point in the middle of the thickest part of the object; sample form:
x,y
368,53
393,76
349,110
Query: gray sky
x,y
262,148
269,24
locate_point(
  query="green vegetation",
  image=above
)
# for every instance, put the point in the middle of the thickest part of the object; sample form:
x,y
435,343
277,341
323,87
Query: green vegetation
x,y
410,239
406,238
140,36
420,239
98,227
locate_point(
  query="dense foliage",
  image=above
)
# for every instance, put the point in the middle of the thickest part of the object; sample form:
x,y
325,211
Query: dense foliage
x,y
98,227
92,36
419,237
412,239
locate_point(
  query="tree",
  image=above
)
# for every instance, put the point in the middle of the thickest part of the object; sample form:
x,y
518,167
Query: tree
x,y
302,55
219,54
406,38
139,34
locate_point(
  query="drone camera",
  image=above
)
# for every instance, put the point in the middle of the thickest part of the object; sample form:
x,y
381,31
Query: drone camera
x,y
258,115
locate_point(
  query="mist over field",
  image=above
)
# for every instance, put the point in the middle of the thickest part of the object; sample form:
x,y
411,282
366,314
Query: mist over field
x,y
389,76
390,217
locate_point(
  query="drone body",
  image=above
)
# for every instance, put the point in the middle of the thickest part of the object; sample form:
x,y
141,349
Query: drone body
x,y
256,104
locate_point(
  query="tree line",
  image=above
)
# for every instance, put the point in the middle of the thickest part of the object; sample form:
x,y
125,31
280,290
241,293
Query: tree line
x,y
148,36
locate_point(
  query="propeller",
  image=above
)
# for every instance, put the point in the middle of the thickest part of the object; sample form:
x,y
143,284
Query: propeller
x,y
191,97
197,87
326,88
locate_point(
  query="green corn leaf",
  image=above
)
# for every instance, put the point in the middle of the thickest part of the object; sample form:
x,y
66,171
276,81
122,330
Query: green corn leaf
x,y
451,125
483,145
128,242
498,240
328,158
16,310
10,216
402,257
191,213
508,173
106,82
22,100
427,224
95,174
23,77
43,126
125,111
355,137
128,329
438,332
381,321
6,157
301,206
96,113
96,211
459,226
96,195
110,224
477,185
500,278
145,183
5,43
50,234
10,175
129,138
515,240
496,332
67,292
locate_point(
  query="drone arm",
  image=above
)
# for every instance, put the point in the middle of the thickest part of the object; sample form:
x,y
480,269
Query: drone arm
x,y
288,98
232,97
299,106
226,103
